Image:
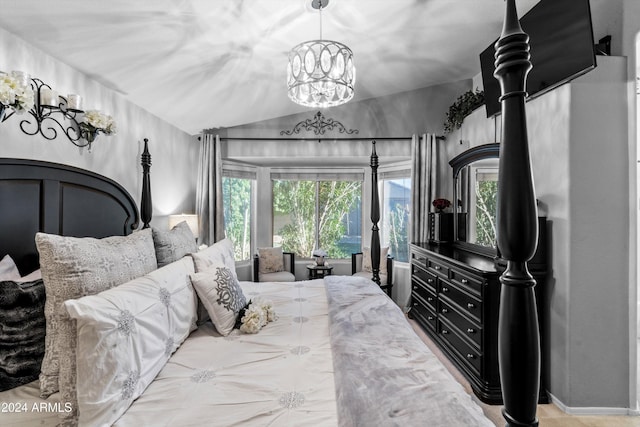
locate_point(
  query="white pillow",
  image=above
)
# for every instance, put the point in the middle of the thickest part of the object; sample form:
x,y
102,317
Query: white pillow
x,y
221,252
366,260
126,335
221,295
8,269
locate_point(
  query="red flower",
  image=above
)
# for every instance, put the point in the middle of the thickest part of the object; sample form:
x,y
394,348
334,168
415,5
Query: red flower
x,y
441,204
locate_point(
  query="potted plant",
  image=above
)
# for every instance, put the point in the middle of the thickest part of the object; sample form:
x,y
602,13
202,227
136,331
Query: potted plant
x,y
464,105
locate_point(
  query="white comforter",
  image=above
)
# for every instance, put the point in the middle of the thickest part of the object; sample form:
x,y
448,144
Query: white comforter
x,y
282,376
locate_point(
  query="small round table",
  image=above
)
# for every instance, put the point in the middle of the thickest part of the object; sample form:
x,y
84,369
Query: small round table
x,y
318,271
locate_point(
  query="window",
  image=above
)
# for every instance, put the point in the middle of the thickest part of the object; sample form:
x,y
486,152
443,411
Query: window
x,y
396,213
237,190
323,212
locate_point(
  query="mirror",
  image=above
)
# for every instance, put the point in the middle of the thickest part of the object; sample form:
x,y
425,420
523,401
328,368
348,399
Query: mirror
x,y
475,188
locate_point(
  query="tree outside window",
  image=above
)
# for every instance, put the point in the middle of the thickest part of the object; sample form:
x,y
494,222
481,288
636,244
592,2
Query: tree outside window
x,y
396,211
236,193
317,214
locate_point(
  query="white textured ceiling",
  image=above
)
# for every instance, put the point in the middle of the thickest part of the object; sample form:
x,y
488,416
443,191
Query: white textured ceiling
x,y
219,63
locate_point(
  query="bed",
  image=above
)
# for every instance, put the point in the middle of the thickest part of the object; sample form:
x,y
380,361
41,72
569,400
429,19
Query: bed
x,y
340,353
134,346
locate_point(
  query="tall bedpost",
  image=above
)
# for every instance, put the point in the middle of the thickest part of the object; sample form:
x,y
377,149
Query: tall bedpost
x,y
146,209
518,333
375,216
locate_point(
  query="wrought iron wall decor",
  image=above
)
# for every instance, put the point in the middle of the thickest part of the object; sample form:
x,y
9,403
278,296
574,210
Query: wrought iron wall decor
x,y
51,113
319,125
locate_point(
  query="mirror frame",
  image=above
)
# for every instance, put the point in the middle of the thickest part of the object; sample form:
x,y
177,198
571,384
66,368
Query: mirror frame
x,y
480,152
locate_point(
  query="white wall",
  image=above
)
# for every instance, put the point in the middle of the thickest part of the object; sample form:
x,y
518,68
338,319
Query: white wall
x,y
173,152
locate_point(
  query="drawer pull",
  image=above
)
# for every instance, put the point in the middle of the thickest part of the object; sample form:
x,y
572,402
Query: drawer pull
x,y
445,332
471,305
415,304
429,317
415,288
471,331
437,267
445,311
464,281
470,356
429,280
445,289
429,299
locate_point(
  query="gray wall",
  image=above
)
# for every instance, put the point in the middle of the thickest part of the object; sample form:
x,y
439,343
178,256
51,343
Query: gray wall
x,y
174,153
577,137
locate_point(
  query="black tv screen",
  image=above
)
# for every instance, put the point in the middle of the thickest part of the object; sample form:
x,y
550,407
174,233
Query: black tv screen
x,y
561,39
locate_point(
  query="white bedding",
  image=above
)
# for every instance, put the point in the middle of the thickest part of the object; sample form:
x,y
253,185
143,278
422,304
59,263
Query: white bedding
x,y
281,376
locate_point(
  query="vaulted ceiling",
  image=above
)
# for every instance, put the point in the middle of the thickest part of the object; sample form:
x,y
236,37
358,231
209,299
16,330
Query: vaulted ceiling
x,y
219,63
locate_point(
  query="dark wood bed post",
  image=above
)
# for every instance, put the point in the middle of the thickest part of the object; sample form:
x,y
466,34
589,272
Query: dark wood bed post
x,y
146,209
518,333
375,216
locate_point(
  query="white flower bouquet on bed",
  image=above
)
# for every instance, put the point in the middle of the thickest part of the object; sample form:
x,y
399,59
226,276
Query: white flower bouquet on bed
x,y
255,315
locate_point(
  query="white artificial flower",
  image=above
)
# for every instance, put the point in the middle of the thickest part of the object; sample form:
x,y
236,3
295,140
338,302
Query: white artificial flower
x,y
14,95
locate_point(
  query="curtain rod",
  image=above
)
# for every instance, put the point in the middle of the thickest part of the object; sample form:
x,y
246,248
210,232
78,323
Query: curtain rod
x,y
388,138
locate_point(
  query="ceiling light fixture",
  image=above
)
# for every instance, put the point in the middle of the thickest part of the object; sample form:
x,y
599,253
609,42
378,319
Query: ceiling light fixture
x,y
320,72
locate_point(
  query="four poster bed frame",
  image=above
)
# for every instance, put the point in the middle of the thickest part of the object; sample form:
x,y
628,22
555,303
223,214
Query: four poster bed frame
x,y
41,196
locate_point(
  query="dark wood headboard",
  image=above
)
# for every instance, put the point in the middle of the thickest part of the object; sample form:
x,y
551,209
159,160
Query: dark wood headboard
x,y
57,199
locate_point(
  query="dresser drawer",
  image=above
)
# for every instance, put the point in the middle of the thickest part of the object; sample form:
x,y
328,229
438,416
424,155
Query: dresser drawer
x,y
424,315
438,268
466,354
424,276
419,259
467,302
467,281
470,329
426,295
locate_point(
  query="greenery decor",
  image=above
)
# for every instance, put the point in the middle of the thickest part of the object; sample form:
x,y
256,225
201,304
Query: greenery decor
x,y
464,105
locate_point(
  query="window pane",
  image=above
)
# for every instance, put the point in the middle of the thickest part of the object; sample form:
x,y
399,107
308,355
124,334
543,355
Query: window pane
x,y
340,213
236,193
395,213
305,211
294,216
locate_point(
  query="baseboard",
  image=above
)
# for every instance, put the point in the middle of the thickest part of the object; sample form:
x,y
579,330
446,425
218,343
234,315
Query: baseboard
x,y
591,410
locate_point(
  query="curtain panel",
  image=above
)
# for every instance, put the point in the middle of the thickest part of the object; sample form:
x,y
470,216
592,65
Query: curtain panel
x,y
424,171
209,191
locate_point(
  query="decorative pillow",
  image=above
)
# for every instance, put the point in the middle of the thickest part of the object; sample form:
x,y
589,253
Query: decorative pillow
x,y
8,269
366,260
174,244
221,294
126,335
73,267
22,330
271,260
222,252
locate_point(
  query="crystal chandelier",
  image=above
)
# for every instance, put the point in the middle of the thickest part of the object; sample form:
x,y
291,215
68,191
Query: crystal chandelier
x,y
320,72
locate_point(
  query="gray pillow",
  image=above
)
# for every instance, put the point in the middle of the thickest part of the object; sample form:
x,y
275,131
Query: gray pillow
x,y
174,244
74,267
22,329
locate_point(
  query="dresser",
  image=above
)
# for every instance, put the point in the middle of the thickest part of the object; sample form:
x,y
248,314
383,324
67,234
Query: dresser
x,y
455,296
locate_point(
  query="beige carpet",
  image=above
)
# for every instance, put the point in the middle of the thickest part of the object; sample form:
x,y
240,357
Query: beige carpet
x,y
549,415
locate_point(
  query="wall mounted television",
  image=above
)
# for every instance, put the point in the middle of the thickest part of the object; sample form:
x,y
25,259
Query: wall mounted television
x,y
562,48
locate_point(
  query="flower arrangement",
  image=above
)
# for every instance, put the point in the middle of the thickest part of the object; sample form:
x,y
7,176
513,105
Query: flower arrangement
x,y
464,105
15,95
255,315
441,204
95,122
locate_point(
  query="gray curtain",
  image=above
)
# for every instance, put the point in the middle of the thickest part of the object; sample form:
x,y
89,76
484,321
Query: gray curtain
x,y
209,191
424,171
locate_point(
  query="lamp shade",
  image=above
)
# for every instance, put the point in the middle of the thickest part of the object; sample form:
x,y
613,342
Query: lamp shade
x,y
191,219
321,73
